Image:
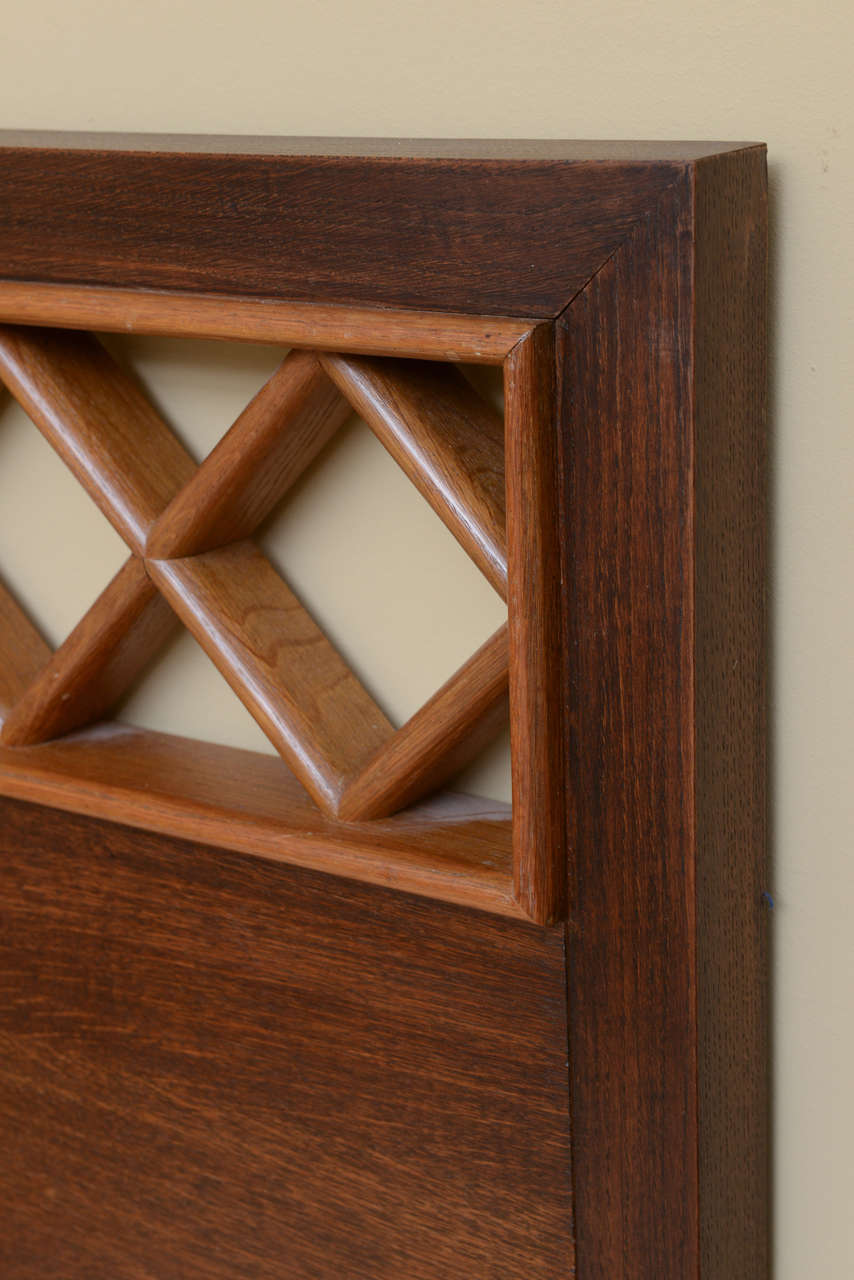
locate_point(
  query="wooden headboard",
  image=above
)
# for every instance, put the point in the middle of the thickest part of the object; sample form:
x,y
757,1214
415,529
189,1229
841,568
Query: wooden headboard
x,y
321,1015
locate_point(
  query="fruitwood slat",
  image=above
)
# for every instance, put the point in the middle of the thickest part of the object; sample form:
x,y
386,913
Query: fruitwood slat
x,y
97,664
277,436
439,740
279,664
428,335
536,696
445,437
23,652
99,421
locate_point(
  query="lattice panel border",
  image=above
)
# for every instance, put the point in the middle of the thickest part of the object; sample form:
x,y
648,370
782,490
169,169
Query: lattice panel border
x,y
189,530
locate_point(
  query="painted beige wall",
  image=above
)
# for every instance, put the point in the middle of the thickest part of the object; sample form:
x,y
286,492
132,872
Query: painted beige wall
x,y
752,69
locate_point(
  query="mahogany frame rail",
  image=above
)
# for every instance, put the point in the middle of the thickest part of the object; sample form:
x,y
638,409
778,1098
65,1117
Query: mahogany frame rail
x,y
618,509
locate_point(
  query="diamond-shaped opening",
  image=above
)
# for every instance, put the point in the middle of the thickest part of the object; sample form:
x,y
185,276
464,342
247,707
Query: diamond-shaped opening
x,y
57,551
384,579
199,387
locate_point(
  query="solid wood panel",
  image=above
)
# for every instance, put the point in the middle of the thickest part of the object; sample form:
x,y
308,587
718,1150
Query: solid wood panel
x,y
279,663
452,847
104,655
491,236
277,436
100,423
368,330
447,439
211,1066
444,736
23,651
536,728
730,709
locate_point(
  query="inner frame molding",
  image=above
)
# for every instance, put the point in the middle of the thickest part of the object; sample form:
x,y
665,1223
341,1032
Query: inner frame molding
x,y
622,289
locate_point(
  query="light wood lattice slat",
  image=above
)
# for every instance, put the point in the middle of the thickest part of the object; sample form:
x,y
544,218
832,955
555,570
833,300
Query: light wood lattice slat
x,y
104,655
277,436
536,699
23,652
411,335
446,438
439,740
99,421
278,662
188,530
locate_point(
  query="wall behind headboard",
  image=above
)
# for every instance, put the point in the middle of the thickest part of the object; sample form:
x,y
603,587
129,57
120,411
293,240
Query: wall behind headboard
x,y
546,69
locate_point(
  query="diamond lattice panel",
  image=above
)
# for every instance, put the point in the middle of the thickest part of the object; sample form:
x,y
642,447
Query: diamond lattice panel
x,y
190,531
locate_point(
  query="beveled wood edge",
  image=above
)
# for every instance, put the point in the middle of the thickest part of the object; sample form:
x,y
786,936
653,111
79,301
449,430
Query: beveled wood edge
x,y
426,335
454,848
534,580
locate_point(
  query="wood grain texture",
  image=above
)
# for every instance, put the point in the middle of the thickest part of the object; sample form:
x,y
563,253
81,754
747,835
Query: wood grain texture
x,y
214,1067
277,436
417,335
95,667
534,608
489,236
454,848
662,397
444,736
730,711
100,423
313,1077
447,439
626,434
279,663
23,651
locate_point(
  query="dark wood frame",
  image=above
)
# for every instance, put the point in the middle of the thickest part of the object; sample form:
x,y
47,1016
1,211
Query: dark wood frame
x,y
622,288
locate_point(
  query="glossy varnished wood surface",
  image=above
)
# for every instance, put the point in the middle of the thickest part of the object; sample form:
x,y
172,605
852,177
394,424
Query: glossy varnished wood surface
x,y
99,421
416,335
311,706
439,740
484,234
279,663
280,433
535,579
453,847
23,651
447,439
212,1066
95,667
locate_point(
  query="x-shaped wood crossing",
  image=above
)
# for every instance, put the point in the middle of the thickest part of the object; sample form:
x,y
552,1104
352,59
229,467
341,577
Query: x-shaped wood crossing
x,y
189,529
